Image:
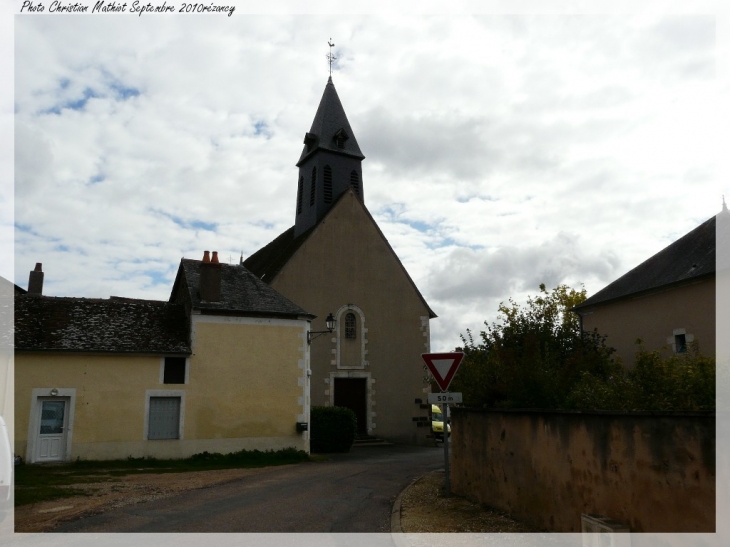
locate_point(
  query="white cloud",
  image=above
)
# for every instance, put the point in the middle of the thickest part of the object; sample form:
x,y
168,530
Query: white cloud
x,y
502,151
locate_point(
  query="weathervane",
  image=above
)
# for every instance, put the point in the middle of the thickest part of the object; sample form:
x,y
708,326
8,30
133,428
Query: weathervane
x,y
331,57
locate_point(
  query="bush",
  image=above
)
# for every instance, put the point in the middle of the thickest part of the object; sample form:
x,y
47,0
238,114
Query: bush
x,y
332,429
532,356
680,382
535,356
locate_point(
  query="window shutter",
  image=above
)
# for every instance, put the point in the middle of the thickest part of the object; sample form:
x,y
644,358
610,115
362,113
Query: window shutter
x,y
164,418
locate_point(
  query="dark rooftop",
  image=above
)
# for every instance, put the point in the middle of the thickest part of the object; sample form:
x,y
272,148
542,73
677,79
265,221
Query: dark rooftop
x,y
269,260
328,120
690,257
241,292
45,323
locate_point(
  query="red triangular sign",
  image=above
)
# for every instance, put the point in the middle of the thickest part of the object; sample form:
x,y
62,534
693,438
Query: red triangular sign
x,y
443,366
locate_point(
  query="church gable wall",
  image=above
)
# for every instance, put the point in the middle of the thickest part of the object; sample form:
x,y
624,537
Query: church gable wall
x,y
347,266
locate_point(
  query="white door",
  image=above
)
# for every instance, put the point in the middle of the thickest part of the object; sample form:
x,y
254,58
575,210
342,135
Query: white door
x,y
52,430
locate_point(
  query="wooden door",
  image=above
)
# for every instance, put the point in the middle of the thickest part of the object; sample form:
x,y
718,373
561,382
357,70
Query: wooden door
x,y
352,393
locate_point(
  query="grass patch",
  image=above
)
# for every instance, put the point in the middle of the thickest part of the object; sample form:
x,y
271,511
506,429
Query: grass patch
x,y
36,483
28,495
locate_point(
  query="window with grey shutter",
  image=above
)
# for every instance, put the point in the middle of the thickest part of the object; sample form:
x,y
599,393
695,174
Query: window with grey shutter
x,y
164,418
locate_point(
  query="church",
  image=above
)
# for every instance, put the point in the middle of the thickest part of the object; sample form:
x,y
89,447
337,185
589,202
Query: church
x,y
336,263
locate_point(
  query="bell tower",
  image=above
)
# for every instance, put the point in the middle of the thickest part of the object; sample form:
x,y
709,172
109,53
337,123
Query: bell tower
x,y
330,163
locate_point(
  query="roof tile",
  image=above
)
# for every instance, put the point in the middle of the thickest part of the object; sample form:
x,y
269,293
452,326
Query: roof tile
x,y
100,325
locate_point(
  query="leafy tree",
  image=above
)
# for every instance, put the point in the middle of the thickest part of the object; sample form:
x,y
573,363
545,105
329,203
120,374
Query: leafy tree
x,y
532,355
535,356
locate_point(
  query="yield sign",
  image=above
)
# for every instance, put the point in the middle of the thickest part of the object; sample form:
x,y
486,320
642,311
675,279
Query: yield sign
x,y
443,366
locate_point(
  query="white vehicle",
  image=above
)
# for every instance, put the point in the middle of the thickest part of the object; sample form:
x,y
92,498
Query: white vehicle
x,y
6,470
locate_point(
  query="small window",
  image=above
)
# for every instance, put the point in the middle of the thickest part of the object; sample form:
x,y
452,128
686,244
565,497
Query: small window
x,y
340,138
174,370
350,326
164,418
355,182
312,188
327,184
680,343
300,189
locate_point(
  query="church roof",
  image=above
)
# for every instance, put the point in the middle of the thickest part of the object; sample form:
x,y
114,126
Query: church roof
x,y
330,121
241,292
690,257
119,325
267,262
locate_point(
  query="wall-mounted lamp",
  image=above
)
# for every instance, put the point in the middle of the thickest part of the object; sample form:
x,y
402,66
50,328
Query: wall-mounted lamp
x,y
54,392
330,322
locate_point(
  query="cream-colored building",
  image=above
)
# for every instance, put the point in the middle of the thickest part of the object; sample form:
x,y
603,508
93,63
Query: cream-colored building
x,y
336,260
222,366
667,301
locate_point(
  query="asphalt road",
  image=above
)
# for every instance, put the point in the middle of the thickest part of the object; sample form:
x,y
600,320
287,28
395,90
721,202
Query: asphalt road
x,y
351,492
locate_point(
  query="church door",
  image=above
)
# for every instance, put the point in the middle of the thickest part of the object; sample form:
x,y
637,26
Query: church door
x,y
352,393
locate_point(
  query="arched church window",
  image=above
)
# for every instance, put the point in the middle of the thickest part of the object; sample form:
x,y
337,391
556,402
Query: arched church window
x,y
300,189
314,182
350,326
327,184
355,182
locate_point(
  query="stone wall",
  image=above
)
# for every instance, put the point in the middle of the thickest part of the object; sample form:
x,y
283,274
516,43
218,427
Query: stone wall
x,y
655,472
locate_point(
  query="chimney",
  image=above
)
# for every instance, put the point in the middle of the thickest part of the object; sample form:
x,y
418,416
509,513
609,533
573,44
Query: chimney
x,y
35,281
210,278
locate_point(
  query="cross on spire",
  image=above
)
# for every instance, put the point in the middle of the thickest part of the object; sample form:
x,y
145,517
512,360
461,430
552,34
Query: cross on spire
x,y
331,58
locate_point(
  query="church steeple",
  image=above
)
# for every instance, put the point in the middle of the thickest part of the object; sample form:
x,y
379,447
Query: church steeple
x,y
330,163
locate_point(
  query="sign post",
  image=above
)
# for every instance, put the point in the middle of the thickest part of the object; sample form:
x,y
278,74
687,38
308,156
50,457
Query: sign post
x,y
443,366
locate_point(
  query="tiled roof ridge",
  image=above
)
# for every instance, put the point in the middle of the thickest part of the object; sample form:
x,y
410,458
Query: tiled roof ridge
x,y
111,299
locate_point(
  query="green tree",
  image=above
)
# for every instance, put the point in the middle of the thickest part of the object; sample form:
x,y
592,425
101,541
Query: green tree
x,y
532,355
535,356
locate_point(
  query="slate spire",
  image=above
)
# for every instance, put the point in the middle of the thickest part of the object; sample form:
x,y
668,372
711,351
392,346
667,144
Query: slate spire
x,y
330,162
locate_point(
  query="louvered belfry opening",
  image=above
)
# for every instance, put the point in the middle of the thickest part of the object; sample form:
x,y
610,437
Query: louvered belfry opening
x,y
327,184
300,189
312,190
355,182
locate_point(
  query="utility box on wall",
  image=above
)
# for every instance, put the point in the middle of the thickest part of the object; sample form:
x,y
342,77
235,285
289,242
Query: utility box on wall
x,y
604,532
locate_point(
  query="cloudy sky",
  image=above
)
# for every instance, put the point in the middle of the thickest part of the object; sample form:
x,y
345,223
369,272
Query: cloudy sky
x,y
502,151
